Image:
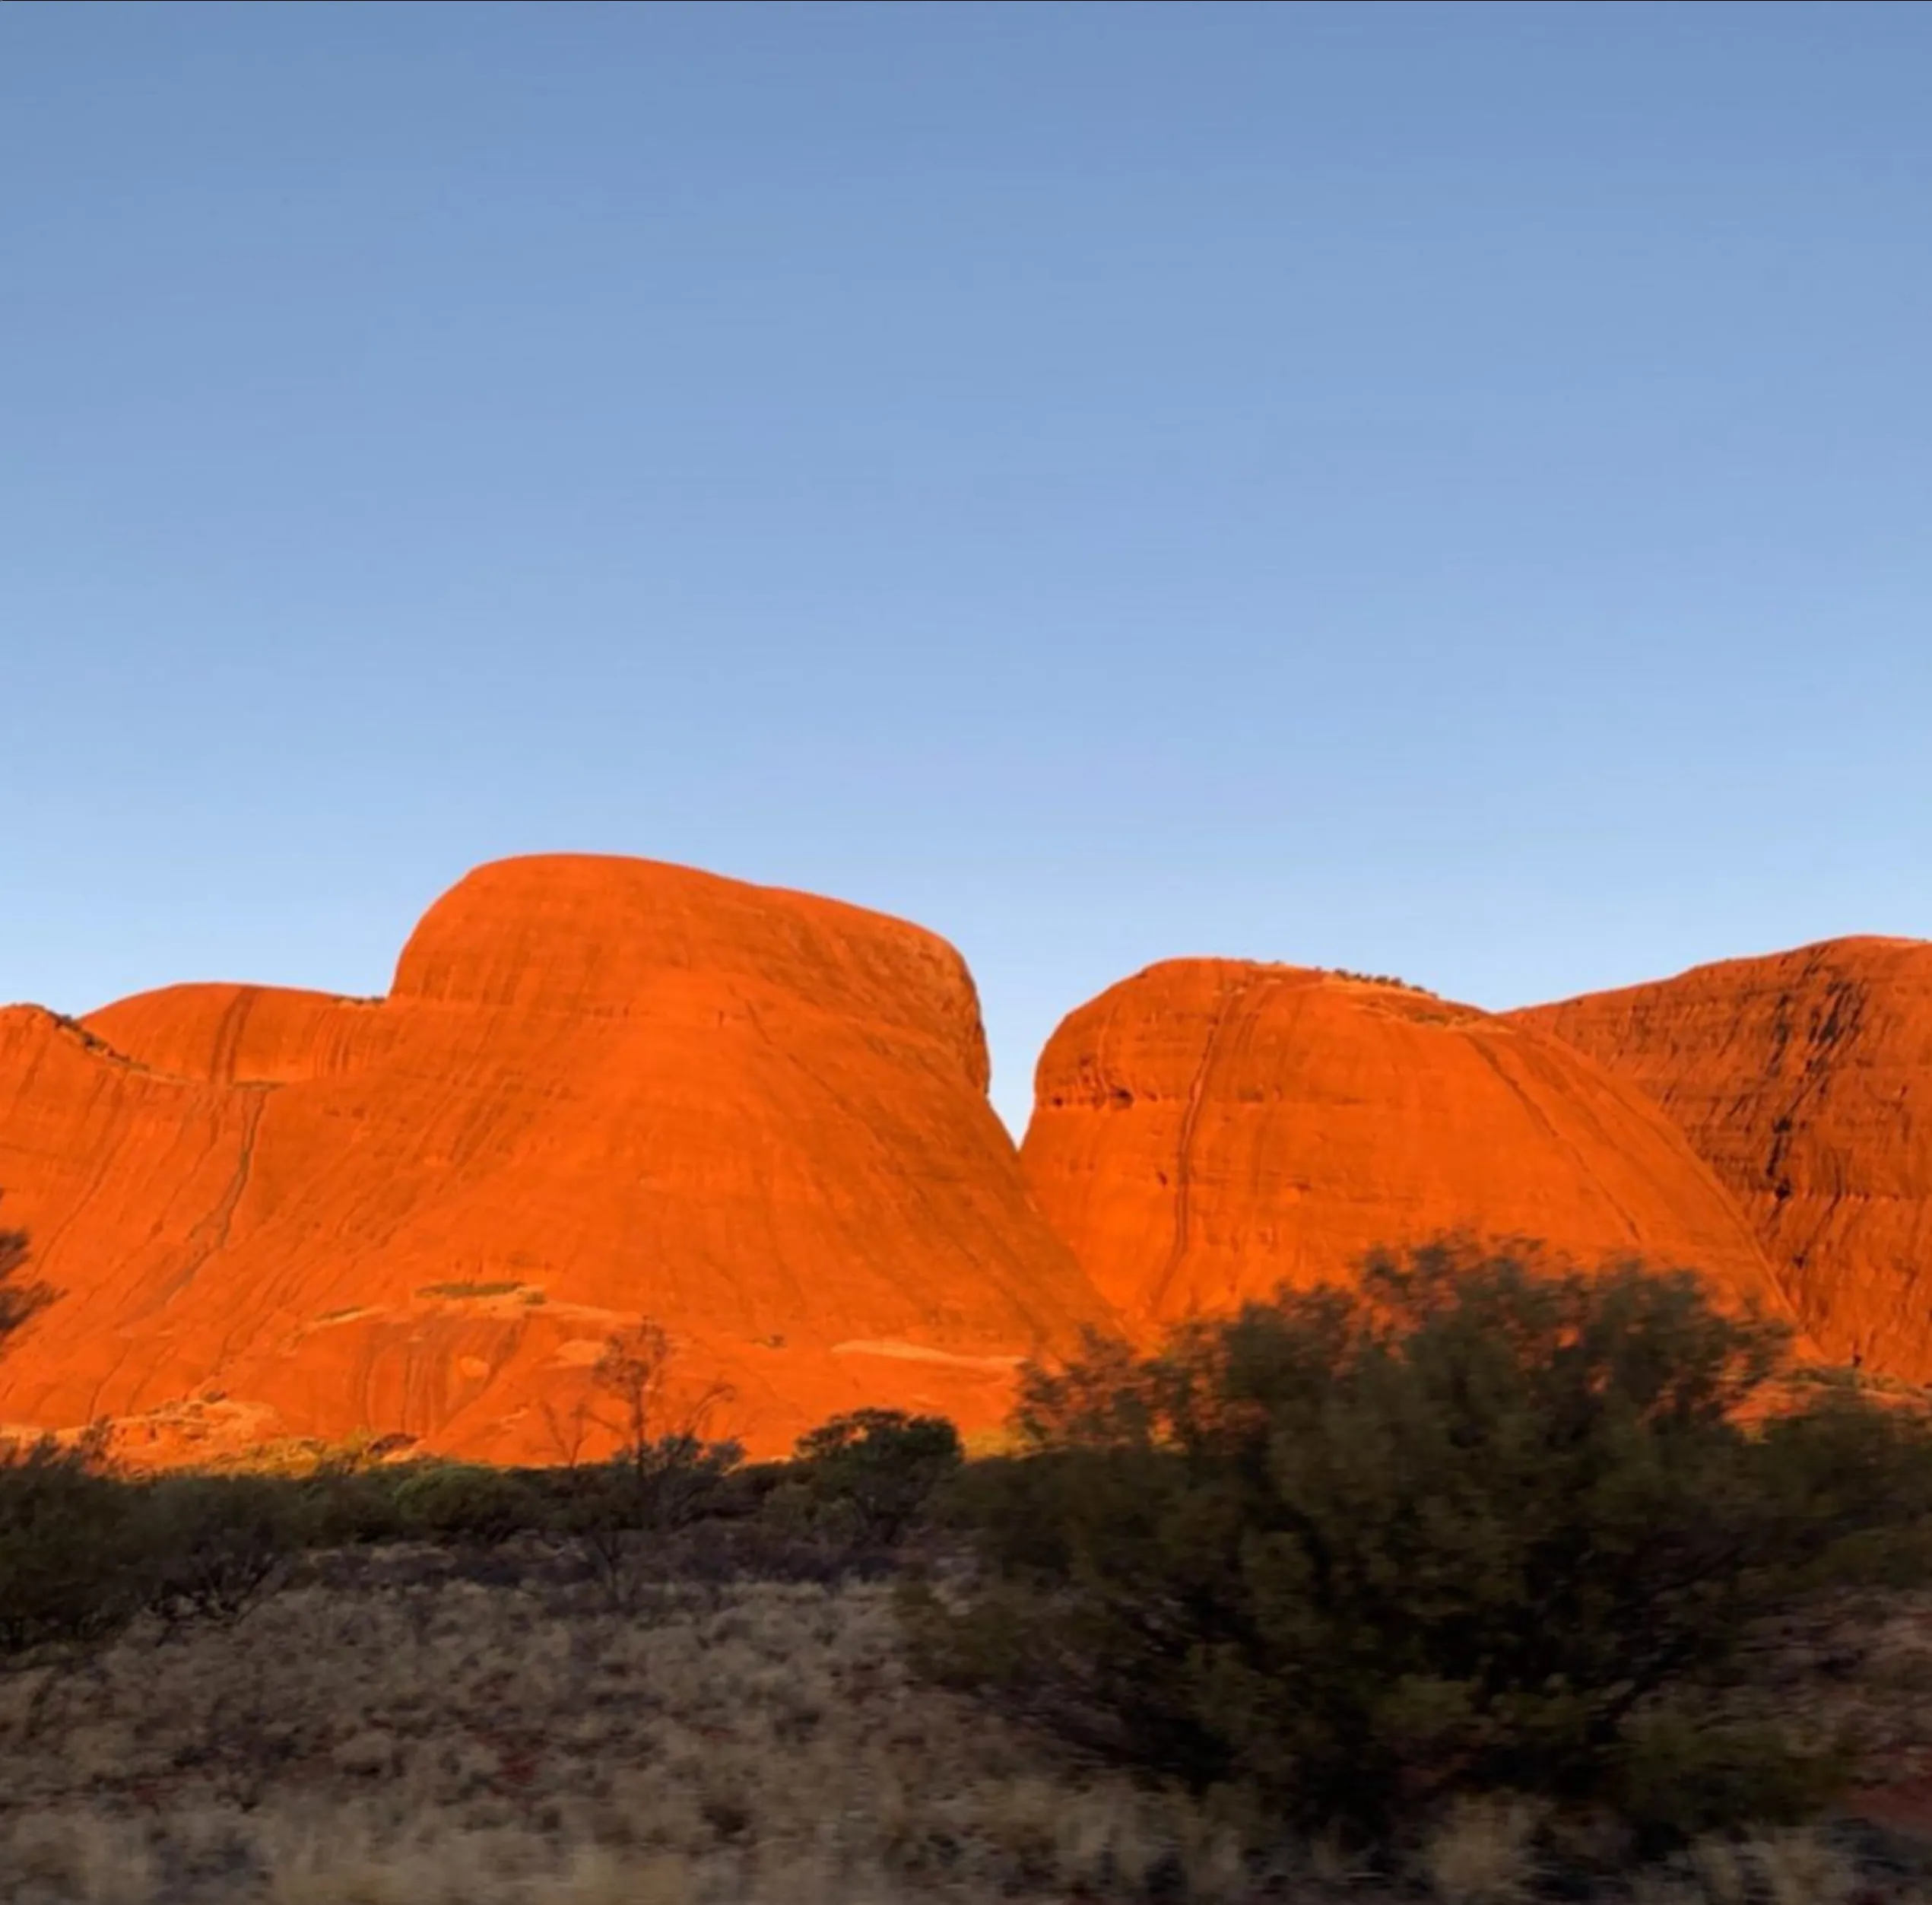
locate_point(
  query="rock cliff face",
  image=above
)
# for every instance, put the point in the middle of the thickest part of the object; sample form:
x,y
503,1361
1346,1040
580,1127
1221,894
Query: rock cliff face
x,y
599,1089
1209,1128
1805,1080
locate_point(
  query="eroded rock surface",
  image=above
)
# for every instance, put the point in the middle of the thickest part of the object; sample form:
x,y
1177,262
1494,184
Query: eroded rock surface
x,y
1209,1128
599,1089
1805,1080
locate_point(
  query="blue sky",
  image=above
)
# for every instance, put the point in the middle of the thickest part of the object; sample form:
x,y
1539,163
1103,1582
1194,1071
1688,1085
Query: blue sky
x,y
1444,489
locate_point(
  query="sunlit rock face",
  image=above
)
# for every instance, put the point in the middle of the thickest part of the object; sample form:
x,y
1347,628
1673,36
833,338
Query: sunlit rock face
x,y
599,1089
1210,1129
1804,1079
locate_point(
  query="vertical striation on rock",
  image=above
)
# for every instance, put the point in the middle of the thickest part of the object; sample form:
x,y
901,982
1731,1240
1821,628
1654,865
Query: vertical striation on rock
x,y
1804,1079
600,1089
1209,1128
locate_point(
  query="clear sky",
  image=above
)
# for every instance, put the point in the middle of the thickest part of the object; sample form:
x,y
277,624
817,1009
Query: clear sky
x,y
1445,490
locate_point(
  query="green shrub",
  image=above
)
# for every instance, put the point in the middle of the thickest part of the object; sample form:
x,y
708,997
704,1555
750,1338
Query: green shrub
x,y
460,1502
666,1473
346,1504
622,1514
869,1475
20,1300
83,1551
1476,1523
207,1547
655,1487
69,1556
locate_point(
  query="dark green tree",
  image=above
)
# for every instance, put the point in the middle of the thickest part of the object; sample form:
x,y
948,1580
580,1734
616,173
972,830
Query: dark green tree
x,y
1475,1522
21,1298
64,1546
877,1469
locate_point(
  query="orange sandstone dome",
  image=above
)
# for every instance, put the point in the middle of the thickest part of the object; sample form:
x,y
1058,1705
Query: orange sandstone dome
x,y
600,1089
1209,1127
1805,1080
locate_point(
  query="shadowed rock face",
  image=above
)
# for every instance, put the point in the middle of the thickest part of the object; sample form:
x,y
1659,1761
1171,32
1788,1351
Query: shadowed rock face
x,y
1209,1128
1805,1080
599,1088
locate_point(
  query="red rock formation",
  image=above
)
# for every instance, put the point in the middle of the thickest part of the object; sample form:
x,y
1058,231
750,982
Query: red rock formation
x,y
1209,1128
231,1034
1805,1080
599,1088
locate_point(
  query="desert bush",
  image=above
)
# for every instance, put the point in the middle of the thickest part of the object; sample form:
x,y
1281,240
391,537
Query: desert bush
x,y
869,1475
207,1547
63,1526
465,1502
347,1507
83,1551
663,1476
624,1514
21,1298
655,1487
647,1488
69,1556
1475,1523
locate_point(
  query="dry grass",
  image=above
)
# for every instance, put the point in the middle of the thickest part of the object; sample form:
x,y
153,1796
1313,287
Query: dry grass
x,y
1484,1853
451,1744
412,1741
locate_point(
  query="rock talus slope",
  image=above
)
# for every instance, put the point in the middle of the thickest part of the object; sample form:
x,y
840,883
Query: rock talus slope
x,y
1209,1128
599,1088
1805,1079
